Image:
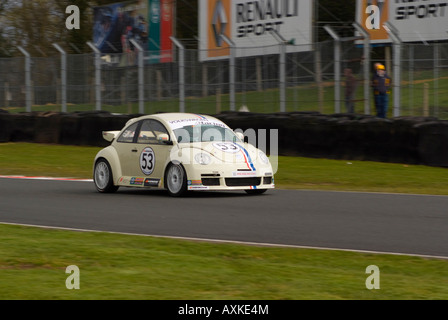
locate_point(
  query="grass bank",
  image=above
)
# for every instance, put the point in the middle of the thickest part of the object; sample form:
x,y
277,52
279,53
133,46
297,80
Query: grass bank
x,y
33,262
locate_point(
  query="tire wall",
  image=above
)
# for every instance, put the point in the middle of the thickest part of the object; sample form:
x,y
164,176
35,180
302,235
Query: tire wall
x,y
411,140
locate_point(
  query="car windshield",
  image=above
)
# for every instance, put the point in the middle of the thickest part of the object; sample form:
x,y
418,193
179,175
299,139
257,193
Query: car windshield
x,y
204,133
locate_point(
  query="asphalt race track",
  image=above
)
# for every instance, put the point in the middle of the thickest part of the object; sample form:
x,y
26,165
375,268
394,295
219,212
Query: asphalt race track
x,y
405,224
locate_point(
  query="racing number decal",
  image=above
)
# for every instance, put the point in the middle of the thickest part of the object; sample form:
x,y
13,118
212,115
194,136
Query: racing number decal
x,y
227,147
147,161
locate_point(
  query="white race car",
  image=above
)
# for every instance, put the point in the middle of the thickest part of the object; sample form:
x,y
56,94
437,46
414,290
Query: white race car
x,y
180,152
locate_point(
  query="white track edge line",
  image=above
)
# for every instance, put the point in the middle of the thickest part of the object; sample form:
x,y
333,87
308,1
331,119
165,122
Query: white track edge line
x,y
260,244
300,189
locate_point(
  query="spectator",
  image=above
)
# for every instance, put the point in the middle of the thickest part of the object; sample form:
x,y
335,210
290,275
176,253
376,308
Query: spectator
x,y
381,84
350,88
375,100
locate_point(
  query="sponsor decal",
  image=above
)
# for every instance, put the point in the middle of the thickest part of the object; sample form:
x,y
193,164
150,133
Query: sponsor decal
x,y
124,180
244,173
198,188
136,181
200,116
200,120
149,182
147,161
194,182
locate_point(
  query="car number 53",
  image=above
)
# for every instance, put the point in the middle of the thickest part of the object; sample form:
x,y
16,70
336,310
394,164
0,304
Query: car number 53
x,y
147,161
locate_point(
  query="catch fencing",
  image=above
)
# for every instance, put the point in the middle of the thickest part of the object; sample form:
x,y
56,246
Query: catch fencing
x,y
300,81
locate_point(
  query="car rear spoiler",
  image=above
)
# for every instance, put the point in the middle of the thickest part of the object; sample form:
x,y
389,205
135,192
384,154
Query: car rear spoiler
x,y
110,135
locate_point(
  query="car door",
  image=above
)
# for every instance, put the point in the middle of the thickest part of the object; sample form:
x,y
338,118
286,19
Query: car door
x,y
144,159
126,150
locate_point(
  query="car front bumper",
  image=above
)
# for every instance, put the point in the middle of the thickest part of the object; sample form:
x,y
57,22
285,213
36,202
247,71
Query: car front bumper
x,y
229,178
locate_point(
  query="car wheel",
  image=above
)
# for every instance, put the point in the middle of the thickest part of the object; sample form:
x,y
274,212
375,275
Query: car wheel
x,y
176,180
255,191
102,177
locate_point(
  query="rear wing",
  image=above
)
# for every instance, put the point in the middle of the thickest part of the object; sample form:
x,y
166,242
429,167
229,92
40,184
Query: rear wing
x,y
110,135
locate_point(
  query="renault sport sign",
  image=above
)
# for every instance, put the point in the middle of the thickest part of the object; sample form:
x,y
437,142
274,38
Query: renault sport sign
x,y
250,26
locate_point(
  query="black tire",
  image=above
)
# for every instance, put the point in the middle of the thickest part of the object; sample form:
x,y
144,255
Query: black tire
x,y
103,178
176,180
255,191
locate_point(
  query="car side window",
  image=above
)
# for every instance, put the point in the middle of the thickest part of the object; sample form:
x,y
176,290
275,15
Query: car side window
x,y
151,132
128,134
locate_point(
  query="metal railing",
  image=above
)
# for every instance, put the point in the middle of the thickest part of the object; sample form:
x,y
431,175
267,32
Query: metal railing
x,y
299,81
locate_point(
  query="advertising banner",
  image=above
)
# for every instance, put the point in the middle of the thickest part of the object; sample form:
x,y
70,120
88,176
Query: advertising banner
x,y
250,26
148,22
160,30
415,21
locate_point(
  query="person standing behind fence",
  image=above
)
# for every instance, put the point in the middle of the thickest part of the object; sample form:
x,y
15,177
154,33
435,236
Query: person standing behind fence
x,y
381,84
350,88
375,97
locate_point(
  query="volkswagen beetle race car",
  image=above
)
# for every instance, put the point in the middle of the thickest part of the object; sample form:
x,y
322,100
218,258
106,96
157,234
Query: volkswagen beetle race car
x,y
180,152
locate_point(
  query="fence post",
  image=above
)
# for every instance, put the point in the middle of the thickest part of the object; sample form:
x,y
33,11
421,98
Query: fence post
x,y
259,74
231,71
337,68
318,76
366,66
282,68
218,100
63,77
141,93
97,75
28,87
204,80
393,33
7,94
410,50
426,100
436,78
181,73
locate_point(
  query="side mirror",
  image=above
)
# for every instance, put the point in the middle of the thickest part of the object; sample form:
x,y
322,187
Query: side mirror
x,y
164,138
110,135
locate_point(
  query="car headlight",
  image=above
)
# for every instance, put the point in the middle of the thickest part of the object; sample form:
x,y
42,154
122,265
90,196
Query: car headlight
x,y
263,157
202,158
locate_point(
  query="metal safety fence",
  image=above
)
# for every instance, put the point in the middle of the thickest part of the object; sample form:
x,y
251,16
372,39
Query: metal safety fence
x,y
311,79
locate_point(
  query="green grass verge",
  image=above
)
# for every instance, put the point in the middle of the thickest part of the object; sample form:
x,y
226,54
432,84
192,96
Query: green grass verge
x,y
33,260
293,172
33,263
